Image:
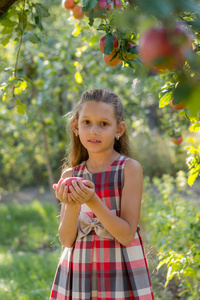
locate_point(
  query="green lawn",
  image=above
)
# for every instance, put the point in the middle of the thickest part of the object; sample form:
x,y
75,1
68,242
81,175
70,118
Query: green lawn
x,y
29,250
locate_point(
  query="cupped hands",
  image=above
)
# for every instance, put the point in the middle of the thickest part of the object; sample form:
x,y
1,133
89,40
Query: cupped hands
x,y
78,192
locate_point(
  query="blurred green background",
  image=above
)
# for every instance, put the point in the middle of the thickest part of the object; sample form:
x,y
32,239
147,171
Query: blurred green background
x,y
56,63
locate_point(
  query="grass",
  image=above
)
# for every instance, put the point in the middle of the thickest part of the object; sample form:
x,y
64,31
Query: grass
x,y
29,250
26,275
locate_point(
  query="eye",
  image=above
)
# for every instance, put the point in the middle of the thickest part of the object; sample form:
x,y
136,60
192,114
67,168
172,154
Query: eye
x,y
86,122
104,124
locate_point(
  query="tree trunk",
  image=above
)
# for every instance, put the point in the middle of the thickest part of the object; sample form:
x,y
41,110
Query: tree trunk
x,y
48,165
5,5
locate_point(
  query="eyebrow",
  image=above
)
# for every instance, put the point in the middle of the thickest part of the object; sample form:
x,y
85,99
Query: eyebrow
x,y
86,117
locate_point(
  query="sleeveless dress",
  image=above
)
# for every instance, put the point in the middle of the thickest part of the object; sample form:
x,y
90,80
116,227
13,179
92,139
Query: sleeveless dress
x,y
98,267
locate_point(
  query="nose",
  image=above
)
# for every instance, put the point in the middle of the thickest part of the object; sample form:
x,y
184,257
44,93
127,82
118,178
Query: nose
x,y
94,129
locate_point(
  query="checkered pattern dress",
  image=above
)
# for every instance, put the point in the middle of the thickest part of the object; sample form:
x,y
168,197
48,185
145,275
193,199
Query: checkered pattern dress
x,y
98,267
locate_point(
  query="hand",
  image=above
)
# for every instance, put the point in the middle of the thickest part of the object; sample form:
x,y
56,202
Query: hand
x,y
82,192
62,192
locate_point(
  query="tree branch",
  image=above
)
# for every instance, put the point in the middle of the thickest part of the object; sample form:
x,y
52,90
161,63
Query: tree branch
x,y
5,5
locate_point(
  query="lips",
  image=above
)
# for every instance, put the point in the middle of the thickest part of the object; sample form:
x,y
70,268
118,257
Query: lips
x,y
94,141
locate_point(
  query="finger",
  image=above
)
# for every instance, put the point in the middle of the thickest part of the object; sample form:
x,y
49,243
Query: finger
x,y
59,182
77,186
89,184
73,199
85,190
61,191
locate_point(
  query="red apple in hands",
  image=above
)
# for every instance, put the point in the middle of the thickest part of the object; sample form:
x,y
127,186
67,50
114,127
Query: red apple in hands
x,y
68,182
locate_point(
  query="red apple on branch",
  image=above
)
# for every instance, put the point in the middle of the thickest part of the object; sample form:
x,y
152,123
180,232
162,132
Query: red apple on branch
x,y
177,140
68,4
178,106
114,62
163,48
102,43
77,12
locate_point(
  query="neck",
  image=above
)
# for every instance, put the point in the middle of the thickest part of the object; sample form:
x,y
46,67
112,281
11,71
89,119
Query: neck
x,y
99,162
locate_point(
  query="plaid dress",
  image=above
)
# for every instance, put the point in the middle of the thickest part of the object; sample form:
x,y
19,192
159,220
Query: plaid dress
x,y
98,267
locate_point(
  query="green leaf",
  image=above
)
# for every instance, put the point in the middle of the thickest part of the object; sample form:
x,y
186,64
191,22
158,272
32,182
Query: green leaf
x,y
38,22
165,100
109,40
194,103
5,41
41,10
182,91
33,38
88,5
21,108
101,27
7,23
91,18
7,30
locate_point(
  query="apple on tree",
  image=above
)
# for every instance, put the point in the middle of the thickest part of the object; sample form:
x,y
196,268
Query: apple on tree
x,y
112,62
177,140
102,43
77,12
103,6
68,4
163,48
178,106
68,182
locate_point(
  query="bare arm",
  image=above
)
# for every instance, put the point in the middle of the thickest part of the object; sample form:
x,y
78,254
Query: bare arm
x,y
123,228
69,214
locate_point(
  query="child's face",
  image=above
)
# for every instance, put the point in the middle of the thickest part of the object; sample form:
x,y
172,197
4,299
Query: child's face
x,y
97,126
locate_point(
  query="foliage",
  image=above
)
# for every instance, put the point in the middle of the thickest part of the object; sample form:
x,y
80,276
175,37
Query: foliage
x,y
49,71
158,155
175,231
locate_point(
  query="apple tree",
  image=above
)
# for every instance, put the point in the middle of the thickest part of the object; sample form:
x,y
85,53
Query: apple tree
x,y
155,38
152,38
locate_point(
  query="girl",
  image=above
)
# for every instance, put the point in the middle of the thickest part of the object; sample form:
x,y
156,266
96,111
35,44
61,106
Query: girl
x,y
104,256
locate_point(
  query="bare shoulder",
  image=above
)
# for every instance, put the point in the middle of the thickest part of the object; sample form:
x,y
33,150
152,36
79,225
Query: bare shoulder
x,y
67,173
133,167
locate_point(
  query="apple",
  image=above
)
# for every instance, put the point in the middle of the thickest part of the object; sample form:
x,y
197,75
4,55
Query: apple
x,y
117,3
102,7
77,12
102,43
68,4
178,106
162,48
68,181
177,140
107,58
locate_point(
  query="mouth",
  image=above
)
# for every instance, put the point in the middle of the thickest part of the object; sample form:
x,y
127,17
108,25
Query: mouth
x,y
94,141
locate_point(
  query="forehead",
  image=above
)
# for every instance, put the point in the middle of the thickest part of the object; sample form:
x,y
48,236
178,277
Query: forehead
x,y
97,109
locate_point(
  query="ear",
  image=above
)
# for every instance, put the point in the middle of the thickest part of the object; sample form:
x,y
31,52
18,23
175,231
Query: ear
x,y
120,129
75,126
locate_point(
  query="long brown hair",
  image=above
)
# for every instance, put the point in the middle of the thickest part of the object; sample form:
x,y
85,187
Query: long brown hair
x,y
77,153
